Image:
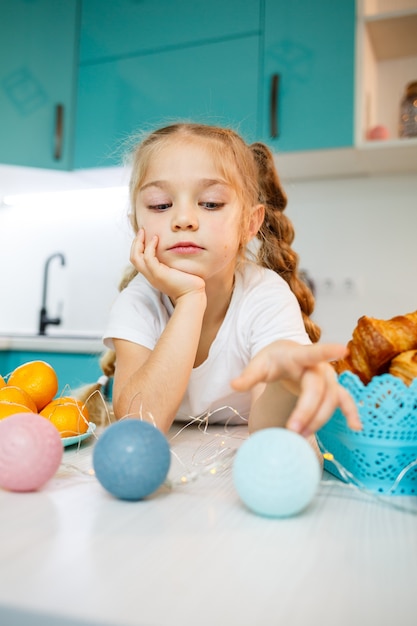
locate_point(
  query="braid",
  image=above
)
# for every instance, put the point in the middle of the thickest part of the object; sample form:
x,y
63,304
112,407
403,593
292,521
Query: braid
x,y
128,275
277,234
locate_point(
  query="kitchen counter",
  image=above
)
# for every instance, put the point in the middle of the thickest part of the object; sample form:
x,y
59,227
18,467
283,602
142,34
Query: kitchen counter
x,y
52,343
193,555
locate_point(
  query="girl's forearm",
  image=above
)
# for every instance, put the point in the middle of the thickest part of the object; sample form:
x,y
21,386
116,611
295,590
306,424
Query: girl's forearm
x,y
155,390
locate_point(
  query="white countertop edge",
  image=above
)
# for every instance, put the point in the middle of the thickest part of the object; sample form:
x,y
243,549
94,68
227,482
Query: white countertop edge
x,y
37,343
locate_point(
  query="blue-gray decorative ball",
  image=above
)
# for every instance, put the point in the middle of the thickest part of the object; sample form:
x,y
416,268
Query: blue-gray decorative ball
x,y
131,459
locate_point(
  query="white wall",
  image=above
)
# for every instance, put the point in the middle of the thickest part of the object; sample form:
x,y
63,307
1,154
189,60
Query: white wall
x,y
91,229
362,231
356,238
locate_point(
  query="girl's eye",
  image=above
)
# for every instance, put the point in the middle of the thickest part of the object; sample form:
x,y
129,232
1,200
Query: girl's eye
x,y
158,207
212,206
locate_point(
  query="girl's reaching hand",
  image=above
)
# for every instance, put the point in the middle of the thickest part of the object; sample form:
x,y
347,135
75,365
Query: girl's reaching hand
x,y
304,371
174,283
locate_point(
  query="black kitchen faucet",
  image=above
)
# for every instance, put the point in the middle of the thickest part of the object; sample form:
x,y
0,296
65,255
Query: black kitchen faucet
x,y
44,319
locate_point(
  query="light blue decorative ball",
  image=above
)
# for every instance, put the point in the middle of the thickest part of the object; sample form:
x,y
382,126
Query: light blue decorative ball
x,y
276,472
131,459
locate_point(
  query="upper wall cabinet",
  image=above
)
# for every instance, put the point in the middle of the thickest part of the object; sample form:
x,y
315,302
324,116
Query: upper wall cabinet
x,y
79,77
39,56
215,83
308,84
145,64
126,28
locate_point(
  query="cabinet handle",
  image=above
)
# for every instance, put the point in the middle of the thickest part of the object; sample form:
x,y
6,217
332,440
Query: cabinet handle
x,y
273,110
59,131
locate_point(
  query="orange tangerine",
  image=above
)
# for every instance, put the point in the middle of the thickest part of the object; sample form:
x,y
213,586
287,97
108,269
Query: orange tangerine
x,y
2,382
17,395
38,379
10,408
68,415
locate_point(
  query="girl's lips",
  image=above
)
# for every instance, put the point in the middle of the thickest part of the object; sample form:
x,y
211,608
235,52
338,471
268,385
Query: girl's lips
x,y
185,247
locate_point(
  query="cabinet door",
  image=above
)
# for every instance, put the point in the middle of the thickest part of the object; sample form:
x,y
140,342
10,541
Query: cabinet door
x,y
114,29
309,49
38,51
214,83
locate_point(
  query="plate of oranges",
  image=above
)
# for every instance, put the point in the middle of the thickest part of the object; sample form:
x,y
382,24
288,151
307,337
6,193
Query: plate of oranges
x,y
70,441
32,388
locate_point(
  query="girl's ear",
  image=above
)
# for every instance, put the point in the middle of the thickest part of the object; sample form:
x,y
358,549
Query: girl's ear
x,y
256,220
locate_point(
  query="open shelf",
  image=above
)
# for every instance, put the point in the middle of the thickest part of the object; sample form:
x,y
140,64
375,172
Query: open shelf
x,y
386,61
370,158
393,36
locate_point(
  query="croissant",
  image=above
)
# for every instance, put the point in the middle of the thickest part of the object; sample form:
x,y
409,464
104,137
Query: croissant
x,y
404,366
376,342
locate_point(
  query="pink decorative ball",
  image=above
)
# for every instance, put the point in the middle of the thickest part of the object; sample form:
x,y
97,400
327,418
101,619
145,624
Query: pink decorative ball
x,y
378,132
30,451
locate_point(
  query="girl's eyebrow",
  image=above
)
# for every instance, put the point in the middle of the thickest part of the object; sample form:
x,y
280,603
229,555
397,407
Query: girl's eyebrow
x,y
203,183
210,182
154,183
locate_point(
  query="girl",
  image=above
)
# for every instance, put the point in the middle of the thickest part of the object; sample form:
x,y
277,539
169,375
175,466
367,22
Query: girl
x,y
199,306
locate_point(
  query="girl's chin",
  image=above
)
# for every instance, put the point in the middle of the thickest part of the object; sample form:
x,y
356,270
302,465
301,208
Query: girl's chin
x,y
185,265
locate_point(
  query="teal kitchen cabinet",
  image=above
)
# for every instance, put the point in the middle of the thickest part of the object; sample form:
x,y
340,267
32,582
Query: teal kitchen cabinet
x,y
79,77
111,30
216,83
38,74
138,71
308,78
82,75
73,369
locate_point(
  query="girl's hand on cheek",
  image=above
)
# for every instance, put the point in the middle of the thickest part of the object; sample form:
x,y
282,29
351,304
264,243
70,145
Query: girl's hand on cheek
x,y
172,282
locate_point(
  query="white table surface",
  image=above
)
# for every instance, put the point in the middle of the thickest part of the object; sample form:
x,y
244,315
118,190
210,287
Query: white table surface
x,y
193,555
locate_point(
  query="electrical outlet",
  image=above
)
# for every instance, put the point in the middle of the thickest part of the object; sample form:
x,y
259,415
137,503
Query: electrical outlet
x,y
325,287
330,287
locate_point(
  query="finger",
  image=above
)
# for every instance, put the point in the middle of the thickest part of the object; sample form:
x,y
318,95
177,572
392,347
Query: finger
x,y
291,360
284,355
138,246
313,388
150,248
149,255
324,412
315,353
333,396
349,409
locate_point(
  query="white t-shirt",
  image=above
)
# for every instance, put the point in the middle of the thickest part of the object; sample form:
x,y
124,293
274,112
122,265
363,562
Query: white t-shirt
x,y
262,310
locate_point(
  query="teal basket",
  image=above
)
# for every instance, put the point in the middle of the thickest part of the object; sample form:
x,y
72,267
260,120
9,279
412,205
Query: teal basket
x,y
383,456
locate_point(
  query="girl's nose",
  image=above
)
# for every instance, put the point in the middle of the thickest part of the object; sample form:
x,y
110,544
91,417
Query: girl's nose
x,y
185,218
